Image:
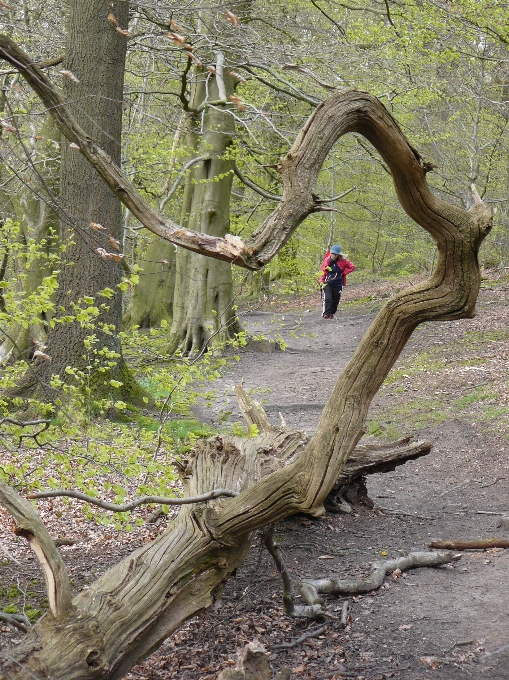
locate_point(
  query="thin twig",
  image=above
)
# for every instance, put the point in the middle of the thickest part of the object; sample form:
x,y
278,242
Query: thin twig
x,y
402,512
16,620
303,638
489,512
345,611
498,479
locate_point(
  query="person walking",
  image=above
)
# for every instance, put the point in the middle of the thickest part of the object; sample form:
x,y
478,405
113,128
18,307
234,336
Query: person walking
x,y
335,268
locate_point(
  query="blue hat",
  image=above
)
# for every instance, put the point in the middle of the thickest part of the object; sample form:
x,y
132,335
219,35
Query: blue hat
x,y
336,250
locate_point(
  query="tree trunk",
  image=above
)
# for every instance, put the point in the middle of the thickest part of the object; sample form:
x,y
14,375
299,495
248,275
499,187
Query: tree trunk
x,y
152,298
38,222
203,297
96,57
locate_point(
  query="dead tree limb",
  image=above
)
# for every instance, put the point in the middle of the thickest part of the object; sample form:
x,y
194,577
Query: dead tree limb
x,y
136,604
311,589
289,606
482,544
368,459
30,526
126,507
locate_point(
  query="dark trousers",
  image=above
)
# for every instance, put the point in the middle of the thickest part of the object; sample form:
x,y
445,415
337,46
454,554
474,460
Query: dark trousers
x,y
331,298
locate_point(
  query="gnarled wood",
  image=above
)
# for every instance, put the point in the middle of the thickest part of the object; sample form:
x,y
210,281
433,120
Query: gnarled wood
x,y
310,589
136,604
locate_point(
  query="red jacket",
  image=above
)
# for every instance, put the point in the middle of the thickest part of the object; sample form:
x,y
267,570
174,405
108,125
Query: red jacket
x,y
345,265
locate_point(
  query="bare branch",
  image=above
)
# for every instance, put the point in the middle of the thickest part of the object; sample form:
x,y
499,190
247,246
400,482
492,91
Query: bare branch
x,y
310,589
31,527
301,639
335,198
293,92
16,620
40,64
249,183
322,11
181,174
144,500
355,8
24,423
307,71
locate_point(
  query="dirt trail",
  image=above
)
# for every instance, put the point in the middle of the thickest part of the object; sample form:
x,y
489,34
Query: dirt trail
x,y
295,382
445,623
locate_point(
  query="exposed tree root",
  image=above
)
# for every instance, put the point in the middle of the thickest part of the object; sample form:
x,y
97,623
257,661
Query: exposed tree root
x,y
310,589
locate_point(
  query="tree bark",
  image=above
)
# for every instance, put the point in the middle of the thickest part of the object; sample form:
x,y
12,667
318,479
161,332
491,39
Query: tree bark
x,y
203,296
35,213
152,299
96,57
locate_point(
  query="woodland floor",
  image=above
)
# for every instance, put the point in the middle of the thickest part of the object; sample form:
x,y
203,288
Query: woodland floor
x,y
450,386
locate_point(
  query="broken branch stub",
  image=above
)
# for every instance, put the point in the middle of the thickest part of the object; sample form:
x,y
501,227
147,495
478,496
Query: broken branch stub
x,y
253,664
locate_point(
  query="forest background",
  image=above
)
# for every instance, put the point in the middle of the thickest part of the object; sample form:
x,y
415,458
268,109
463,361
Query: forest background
x,y
104,323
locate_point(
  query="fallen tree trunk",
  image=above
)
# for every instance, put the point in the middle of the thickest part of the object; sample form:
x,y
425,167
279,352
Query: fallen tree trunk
x,y
135,605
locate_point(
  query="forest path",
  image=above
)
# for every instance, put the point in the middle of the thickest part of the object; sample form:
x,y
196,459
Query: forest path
x,y
297,381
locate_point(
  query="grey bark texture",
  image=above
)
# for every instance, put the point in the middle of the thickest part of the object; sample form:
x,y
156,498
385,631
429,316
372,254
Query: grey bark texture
x,y
96,57
34,209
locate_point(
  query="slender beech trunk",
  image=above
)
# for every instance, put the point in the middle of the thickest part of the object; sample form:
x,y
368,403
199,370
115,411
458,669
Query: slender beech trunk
x,y
203,298
152,298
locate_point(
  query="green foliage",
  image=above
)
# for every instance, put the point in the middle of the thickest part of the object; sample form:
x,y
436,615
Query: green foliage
x,y
20,305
